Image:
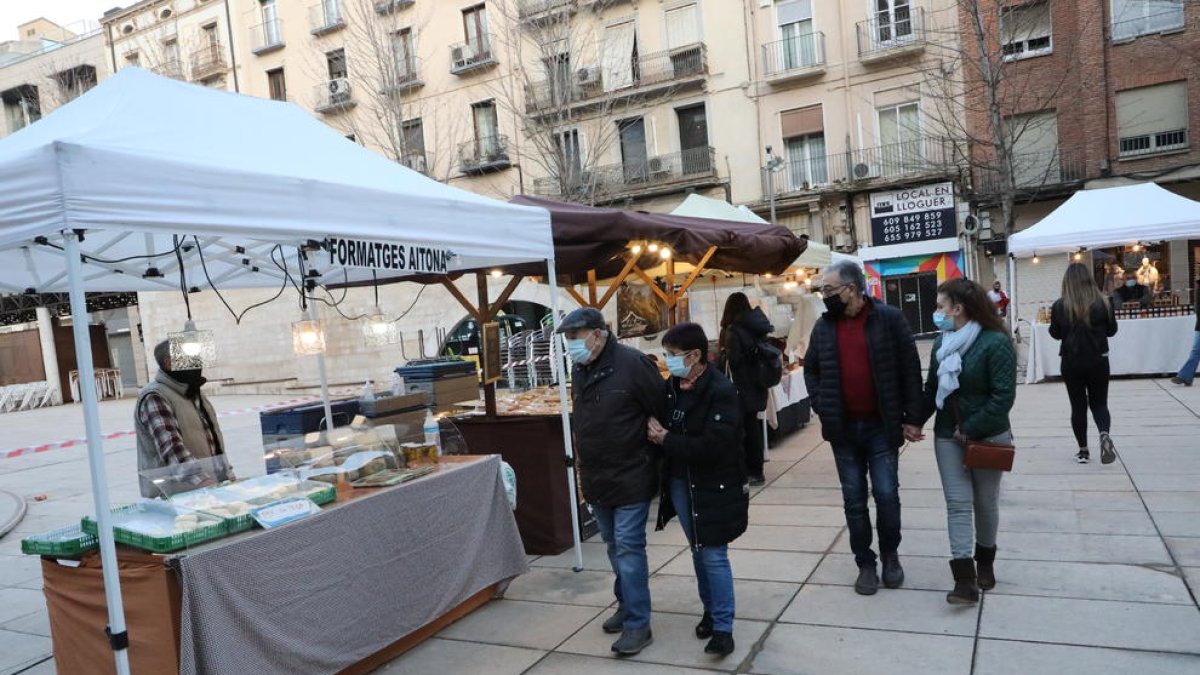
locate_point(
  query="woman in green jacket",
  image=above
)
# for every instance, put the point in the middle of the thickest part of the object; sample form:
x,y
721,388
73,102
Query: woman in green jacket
x,y
971,386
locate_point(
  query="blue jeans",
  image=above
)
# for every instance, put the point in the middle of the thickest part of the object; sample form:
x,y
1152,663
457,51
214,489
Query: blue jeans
x,y
714,576
866,450
623,528
1188,372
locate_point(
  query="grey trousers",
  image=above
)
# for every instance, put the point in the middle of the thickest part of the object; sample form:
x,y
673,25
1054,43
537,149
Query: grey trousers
x,y
969,493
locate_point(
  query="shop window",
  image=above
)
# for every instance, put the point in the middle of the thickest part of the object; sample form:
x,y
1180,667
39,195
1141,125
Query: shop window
x,y
1026,31
1153,119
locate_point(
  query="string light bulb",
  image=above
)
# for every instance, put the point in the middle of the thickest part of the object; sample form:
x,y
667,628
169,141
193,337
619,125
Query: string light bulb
x,y
665,253
637,249
496,274
308,335
191,348
1036,259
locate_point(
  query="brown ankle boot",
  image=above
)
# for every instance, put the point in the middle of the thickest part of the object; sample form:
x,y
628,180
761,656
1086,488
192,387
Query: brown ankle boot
x,y
985,557
965,592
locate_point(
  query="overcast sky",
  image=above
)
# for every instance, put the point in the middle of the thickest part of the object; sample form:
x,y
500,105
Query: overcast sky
x,y
64,12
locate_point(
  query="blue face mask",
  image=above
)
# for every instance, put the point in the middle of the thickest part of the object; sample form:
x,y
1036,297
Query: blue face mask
x,y
942,321
1131,282
676,366
578,350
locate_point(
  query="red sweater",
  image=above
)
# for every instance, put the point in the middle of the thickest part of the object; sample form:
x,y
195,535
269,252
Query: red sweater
x,y
858,384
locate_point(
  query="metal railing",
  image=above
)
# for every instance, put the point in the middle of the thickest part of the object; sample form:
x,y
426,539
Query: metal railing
x,y
613,180
405,75
326,16
472,54
173,69
389,6
589,82
1149,144
794,54
1033,171
481,154
266,36
904,27
528,9
334,94
208,62
896,161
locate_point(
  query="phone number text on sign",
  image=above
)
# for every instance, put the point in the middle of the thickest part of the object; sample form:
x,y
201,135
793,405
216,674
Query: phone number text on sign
x,y
913,214
911,227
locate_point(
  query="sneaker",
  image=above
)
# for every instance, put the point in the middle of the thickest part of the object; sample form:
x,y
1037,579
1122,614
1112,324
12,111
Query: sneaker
x,y
868,580
704,629
756,481
721,644
1180,380
1108,451
616,622
1083,457
893,573
633,641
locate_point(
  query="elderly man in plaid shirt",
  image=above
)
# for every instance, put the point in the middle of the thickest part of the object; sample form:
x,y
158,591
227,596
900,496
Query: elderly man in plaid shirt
x,y
179,441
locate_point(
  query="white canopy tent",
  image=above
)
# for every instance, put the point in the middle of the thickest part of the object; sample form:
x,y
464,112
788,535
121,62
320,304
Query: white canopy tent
x,y
1109,217
144,175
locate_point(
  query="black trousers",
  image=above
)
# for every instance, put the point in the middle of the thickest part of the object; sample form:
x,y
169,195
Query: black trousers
x,y
753,443
1087,388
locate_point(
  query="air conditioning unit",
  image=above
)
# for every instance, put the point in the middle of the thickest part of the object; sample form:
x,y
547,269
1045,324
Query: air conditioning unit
x,y
462,55
588,77
864,171
339,88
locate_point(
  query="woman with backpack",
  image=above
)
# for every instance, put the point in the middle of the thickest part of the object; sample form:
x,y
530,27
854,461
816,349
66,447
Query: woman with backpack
x,y
742,331
1083,320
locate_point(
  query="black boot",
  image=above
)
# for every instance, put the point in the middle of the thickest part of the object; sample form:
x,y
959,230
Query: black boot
x,y
984,559
704,629
965,592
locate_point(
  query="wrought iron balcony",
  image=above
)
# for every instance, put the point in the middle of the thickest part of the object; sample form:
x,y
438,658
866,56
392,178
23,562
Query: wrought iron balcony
x,y
1033,172
267,37
535,11
405,76
334,96
326,17
794,58
173,69
892,35
647,74
466,57
675,170
389,6
209,62
908,160
484,154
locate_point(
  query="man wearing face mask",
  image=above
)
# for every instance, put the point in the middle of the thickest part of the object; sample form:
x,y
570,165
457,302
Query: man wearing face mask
x,y
616,391
1131,293
177,429
864,381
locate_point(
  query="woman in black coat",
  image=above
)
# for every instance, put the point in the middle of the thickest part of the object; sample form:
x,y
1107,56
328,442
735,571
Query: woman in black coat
x,y
741,329
704,479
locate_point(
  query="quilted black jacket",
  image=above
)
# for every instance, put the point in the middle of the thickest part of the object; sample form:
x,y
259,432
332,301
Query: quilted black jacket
x,y
895,367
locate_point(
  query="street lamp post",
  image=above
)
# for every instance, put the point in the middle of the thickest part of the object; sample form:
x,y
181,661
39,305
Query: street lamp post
x,y
774,163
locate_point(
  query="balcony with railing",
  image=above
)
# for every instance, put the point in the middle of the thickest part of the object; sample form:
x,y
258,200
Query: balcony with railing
x,y
539,11
484,154
173,69
209,62
654,73
794,58
405,76
472,55
662,173
1032,172
326,17
267,37
892,35
897,162
334,96
389,6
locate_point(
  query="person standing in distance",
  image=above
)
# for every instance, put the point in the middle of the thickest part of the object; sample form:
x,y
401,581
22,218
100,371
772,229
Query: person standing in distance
x,y
864,379
999,299
616,392
742,327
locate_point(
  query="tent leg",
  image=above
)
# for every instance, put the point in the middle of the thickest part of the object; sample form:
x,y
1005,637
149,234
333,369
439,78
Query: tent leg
x,y
325,392
552,273
91,419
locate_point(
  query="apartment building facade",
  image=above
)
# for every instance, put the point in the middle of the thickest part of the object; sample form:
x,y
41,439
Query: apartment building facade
x,y
1092,94
47,67
188,40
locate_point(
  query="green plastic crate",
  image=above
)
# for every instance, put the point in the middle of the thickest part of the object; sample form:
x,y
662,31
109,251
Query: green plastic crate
x,y
63,542
215,529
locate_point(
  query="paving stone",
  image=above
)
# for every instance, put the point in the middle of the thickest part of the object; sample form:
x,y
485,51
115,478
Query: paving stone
x,y
799,496
19,650
18,602
781,538
1178,523
37,623
514,623
675,643
1186,550
821,650
920,572
797,516
889,609
452,656
1001,657
574,664
595,557
1134,583
563,586
1127,625
759,600
1187,502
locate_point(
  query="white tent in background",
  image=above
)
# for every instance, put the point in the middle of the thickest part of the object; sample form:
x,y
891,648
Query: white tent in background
x,y
698,206
820,256
143,175
1110,217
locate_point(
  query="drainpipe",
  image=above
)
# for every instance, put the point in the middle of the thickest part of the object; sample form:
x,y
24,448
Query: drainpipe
x,y
232,53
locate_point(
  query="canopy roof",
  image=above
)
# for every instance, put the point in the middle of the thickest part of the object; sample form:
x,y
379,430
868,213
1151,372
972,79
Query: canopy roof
x,y
1109,217
141,158
589,238
699,206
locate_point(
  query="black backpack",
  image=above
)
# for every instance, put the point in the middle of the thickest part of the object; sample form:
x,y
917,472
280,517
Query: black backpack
x,y
766,364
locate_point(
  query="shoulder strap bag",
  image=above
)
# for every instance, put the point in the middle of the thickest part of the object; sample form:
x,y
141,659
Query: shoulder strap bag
x,y
981,454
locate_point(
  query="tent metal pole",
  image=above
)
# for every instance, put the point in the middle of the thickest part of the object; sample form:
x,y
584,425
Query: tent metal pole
x,y
568,446
91,419
312,314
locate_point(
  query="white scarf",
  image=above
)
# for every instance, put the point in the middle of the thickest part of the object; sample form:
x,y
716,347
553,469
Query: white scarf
x,y
955,343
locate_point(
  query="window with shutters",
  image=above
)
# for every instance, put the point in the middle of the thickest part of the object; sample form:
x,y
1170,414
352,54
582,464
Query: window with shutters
x,y
412,139
799,47
620,55
804,136
1033,143
899,138
276,84
1026,31
1131,18
404,55
570,157
487,129
683,26
1152,119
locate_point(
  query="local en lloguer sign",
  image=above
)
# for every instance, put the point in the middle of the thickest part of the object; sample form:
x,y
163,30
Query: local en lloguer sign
x,y
377,255
913,214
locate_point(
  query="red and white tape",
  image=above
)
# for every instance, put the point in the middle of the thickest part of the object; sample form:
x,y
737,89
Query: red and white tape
x,y
34,449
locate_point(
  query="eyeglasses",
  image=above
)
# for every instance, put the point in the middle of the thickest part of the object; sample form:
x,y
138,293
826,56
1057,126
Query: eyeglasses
x,y
826,290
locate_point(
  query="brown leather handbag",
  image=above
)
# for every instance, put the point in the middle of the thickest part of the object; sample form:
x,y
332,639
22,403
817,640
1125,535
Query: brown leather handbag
x,y
984,455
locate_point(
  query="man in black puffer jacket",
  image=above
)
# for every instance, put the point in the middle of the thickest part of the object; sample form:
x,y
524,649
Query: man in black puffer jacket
x,y
616,391
864,381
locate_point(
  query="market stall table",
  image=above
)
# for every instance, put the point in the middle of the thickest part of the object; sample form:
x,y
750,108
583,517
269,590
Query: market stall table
x,y
342,591
1140,347
787,406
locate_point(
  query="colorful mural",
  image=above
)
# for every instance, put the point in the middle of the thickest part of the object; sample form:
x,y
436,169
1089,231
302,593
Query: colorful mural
x,y
947,266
